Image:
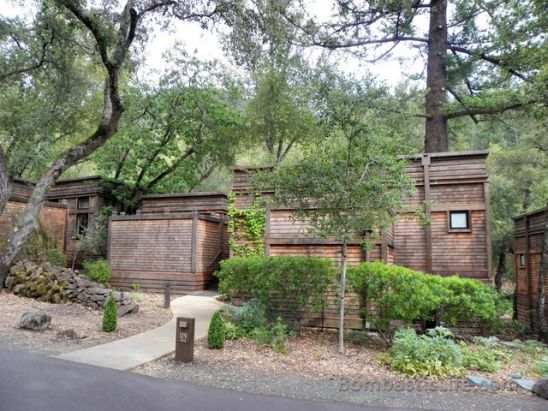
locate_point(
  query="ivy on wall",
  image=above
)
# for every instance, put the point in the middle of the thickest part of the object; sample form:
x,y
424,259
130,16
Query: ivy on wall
x,y
246,228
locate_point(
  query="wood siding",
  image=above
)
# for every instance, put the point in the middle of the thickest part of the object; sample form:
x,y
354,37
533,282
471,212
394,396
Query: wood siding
x,y
528,237
204,203
151,250
53,218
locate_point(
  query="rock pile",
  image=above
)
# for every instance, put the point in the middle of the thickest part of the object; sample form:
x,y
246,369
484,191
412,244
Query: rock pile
x,y
59,285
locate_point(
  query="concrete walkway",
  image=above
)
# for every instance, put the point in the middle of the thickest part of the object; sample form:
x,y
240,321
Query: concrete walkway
x,y
138,349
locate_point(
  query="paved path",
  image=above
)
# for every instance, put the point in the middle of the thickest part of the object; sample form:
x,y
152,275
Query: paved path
x,y
30,382
133,351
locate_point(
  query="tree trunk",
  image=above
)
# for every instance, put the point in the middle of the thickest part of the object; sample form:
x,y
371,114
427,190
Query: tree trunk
x,y
436,137
342,294
29,219
5,181
501,268
542,335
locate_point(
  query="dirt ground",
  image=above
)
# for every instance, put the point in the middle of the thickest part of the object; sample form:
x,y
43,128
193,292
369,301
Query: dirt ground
x,y
85,322
313,369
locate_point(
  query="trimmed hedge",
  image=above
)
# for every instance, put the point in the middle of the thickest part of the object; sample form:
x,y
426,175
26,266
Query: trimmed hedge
x,y
295,283
399,293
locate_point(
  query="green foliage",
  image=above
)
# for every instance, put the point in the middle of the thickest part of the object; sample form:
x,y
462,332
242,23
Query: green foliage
x,y
275,335
41,248
110,315
216,332
482,357
251,315
427,356
93,244
540,368
299,281
98,270
399,293
234,331
246,228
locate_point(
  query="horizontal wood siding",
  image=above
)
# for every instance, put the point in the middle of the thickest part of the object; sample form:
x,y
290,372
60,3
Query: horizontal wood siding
x,y
152,250
209,203
52,217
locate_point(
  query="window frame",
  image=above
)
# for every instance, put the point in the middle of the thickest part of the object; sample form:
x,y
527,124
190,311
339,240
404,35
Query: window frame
x,y
522,261
468,214
77,227
78,203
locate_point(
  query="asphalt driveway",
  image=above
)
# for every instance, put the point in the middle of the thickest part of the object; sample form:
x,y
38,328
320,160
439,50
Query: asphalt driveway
x,y
29,382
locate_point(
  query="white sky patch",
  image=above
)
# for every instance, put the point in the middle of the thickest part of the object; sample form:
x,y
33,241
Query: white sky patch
x,y
206,45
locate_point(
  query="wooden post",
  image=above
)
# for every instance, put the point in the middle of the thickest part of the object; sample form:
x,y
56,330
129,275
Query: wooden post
x,y
487,229
193,242
384,247
267,231
529,271
428,211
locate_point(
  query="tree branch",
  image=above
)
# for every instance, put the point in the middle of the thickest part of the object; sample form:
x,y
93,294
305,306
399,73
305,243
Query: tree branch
x,y
489,110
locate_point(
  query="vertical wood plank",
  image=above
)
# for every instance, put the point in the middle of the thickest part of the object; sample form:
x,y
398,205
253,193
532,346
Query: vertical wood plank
x,y
267,231
384,247
194,242
428,211
487,229
528,261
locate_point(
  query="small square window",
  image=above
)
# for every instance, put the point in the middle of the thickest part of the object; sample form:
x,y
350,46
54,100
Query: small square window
x,y
459,220
82,221
83,203
522,261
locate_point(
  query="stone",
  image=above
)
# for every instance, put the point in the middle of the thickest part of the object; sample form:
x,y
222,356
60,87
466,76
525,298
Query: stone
x,y
515,376
68,334
507,344
97,297
541,388
127,309
36,321
525,384
482,382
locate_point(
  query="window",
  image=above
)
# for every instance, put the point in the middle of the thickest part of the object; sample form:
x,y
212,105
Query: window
x,y
83,203
522,261
82,221
459,221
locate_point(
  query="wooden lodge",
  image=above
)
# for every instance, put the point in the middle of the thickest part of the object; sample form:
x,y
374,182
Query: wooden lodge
x,y
175,239
530,231
53,216
84,198
451,188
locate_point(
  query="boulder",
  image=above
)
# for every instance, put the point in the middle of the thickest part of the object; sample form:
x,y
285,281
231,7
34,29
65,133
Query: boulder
x,y
68,334
127,309
482,382
541,388
36,321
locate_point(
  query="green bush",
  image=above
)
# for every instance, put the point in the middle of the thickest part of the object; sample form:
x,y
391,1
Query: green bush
x,y
300,283
110,315
399,293
98,270
251,315
540,368
426,355
234,331
216,332
482,357
275,335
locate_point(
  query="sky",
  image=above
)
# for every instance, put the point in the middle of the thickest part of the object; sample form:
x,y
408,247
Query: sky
x,y
206,45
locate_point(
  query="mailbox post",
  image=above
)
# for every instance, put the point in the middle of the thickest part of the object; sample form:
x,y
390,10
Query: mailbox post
x,y
184,339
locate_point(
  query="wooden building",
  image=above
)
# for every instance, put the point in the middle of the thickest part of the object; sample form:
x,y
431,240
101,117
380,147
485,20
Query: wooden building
x,y
529,236
53,216
84,198
452,190
177,239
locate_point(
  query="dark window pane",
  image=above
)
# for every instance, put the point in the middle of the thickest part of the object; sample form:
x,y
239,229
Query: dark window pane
x,y
82,224
83,203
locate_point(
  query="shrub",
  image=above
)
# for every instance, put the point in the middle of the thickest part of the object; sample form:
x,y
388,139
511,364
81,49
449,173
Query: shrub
x,y
216,332
98,270
251,315
399,293
110,315
425,355
482,357
275,335
234,331
300,283
540,368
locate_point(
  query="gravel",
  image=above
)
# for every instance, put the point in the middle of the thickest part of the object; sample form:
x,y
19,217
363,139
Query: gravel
x,y
313,369
73,326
